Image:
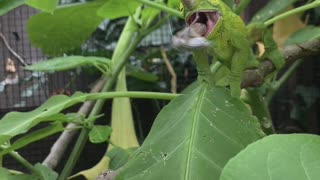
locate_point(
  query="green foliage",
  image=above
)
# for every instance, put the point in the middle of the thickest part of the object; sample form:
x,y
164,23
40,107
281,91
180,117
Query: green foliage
x,y
113,9
119,157
273,8
8,5
45,173
71,62
69,27
15,123
33,136
99,134
306,34
295,157
44,5
194,136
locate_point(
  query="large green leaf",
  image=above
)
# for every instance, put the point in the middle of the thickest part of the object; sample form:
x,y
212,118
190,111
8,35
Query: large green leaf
x,y
273,8
8,5
44,5
64,30
15,123
113,9
306,34
70,62
277,157
193,137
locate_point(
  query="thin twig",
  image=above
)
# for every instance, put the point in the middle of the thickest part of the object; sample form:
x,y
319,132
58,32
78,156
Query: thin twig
x,y
170,69
12,51
255,77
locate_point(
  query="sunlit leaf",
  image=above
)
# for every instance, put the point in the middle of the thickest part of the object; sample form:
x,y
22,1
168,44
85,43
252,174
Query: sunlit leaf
x,y
194,137
294,157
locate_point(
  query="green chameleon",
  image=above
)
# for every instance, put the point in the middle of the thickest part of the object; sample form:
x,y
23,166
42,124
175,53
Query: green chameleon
x,y
214,30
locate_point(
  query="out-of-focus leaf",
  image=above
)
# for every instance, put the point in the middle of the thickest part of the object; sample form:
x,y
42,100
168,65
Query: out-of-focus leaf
x,y
113,9
273,8
64,30
99,134
45,172
148,14
8,5
174,4
283,28
32,137
306,34
277,157
193,137
70,62
140,74
44,5
15,123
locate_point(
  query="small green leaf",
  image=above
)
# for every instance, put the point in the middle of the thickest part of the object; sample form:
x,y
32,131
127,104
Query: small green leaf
x,y
32,137
64,30
306,34
45,172
273,8
15,123
113,9
44,5
99,134
8,5
5,174
71,62
277,157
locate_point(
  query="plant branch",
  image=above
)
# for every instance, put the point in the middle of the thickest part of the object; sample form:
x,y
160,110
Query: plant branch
x,y
293,11
170,69
12,51
59,147
255,77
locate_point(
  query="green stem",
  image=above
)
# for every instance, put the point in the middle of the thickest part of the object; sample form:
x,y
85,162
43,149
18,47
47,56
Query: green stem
x,y
132,94
260,109
22,161
293,11
162,7
241,6
276,86
119,59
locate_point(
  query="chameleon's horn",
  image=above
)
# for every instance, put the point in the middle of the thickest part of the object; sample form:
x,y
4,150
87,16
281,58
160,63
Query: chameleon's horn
x,y
188,4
